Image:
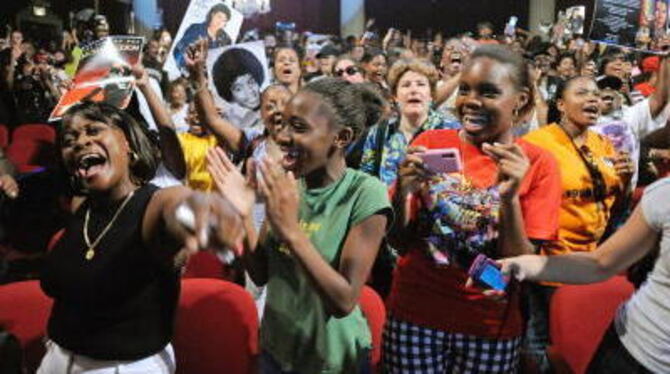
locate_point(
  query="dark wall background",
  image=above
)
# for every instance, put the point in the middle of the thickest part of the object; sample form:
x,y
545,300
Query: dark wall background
x,y
117,12
314,15
448,16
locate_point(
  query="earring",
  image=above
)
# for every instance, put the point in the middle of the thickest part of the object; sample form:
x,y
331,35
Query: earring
x,y
133,157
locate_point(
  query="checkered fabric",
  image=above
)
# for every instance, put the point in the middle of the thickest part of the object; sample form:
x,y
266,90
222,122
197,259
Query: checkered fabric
x,y
408,348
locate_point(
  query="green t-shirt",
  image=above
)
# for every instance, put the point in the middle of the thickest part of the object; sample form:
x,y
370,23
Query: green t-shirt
x,y
297,330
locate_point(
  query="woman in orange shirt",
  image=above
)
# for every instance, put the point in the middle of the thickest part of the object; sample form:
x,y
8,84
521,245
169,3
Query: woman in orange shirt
x,y
593,177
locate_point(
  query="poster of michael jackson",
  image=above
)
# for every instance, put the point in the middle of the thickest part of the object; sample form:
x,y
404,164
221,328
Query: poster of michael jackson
x,y
214,20
628,22
237,74
104,74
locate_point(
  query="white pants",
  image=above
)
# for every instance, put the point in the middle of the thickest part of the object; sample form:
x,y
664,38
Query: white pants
x,y
59,360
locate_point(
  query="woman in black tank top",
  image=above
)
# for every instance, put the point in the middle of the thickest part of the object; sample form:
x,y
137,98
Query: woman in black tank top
x,y
113,275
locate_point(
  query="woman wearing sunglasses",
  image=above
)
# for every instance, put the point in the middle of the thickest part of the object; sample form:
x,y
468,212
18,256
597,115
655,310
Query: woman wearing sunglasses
x,y
593,177
345,67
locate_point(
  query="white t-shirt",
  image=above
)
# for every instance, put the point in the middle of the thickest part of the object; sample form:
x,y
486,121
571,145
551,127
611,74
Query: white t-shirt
x,y
179,119
643,323
627,127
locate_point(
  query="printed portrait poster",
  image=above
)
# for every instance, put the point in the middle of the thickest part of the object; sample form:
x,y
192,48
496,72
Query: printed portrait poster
x,y
617,21
575,17
660,23
237,75
104,74
620,134
215,20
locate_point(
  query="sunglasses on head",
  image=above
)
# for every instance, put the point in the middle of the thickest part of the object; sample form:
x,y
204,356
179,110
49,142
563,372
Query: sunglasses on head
x,y
350,70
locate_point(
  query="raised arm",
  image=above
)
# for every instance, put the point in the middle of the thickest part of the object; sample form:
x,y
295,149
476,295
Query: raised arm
x,y
10,69
240,191
170,147
444,92
231,136
659,99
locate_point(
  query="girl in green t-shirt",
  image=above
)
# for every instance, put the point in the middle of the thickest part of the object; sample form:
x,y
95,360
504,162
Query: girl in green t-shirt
x,y
323,228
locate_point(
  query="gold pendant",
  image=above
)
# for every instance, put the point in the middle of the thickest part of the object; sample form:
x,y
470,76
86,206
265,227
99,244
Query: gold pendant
x,y
89,254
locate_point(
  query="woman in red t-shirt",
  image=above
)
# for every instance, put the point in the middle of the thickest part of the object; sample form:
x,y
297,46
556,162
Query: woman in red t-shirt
x,y
504,200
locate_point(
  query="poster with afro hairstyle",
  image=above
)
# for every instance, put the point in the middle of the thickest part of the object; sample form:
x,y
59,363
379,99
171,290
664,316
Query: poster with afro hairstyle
x,y
237,75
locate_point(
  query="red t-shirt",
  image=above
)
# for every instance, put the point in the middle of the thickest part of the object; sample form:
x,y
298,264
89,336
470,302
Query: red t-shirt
x,y
433,296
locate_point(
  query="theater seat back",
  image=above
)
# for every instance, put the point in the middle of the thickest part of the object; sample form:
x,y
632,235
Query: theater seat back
x,y
24,311
217,328
374,310
579,317
32,147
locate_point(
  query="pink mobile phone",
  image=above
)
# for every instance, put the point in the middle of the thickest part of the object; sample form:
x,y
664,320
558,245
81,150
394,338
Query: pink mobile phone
x,y
445,160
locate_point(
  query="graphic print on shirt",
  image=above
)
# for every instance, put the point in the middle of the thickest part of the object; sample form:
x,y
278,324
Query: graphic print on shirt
x,y
464,219
309,228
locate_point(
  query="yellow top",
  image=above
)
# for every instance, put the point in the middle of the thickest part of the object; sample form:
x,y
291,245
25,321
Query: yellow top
x,y
195,152
582,219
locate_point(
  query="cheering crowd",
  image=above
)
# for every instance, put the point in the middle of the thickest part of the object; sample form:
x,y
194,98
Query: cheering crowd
x,y
558,152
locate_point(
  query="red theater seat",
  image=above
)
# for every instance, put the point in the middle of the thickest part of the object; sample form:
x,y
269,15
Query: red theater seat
x,y
24,311
217,328
579,316
32,147
375,312
35,131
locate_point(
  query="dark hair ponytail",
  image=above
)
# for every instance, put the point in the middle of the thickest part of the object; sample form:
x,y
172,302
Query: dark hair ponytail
x,y
354,105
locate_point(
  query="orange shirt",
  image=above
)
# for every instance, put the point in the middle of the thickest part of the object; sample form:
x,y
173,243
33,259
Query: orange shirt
x,y
582,220
433,296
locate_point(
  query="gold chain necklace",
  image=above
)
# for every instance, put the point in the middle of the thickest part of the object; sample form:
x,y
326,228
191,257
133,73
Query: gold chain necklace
x,y
91,246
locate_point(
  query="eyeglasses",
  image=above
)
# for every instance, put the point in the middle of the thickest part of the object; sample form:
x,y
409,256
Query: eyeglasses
x,y
350,70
